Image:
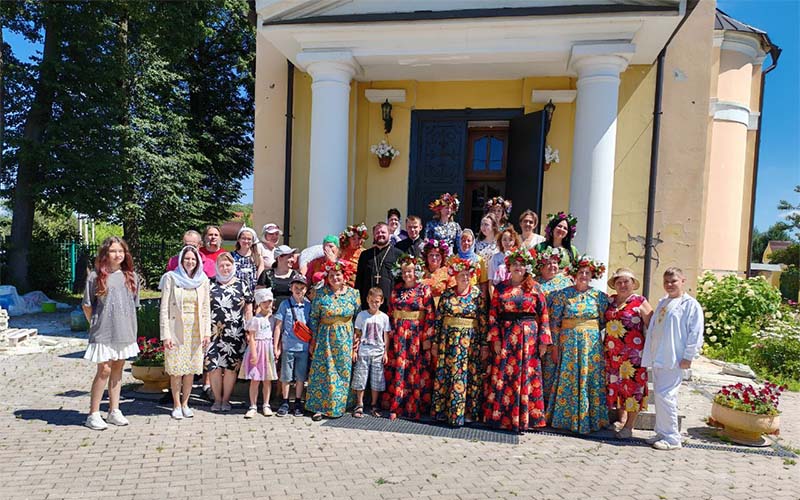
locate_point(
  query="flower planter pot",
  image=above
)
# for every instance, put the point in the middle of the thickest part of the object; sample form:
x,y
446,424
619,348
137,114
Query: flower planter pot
x,y
154,378
744,428
546,166
384,161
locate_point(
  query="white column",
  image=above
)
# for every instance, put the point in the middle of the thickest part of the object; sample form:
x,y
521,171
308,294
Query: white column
x,y
594,145
331,73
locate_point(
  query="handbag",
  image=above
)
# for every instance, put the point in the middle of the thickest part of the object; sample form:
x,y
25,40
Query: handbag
x,y
302,331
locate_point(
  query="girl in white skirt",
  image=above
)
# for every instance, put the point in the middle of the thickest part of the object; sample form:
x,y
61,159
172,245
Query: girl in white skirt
x,y
109,302
259,358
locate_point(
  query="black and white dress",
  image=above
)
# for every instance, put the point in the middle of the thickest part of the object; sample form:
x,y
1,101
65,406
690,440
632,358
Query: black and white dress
x,y
227,324
246,269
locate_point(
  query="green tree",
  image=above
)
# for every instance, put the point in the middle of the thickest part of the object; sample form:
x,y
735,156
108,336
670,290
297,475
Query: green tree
x,y
793,216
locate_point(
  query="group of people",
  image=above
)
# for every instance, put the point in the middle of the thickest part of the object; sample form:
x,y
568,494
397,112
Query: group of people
x,y
504,328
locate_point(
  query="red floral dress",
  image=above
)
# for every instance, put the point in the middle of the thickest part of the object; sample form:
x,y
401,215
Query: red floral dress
x,y
409,380
626,380
519,321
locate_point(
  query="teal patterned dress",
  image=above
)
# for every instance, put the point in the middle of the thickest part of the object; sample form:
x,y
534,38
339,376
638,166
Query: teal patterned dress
x,y
458,387
331,323
578,396
549,367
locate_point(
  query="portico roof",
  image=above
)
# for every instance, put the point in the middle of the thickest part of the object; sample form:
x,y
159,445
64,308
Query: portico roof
x,y
456,40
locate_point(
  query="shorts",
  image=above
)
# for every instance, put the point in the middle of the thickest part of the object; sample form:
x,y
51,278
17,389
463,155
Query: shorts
x,y
294,366
372,365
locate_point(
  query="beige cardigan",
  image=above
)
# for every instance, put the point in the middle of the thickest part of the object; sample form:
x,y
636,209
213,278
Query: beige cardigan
x,y
171,317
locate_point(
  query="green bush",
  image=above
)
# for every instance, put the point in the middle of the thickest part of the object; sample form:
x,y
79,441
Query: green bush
x,y
790,283
778,356
731,302
147,320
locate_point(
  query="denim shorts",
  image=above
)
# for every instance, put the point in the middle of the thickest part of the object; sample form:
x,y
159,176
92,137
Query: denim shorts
x,y
294,366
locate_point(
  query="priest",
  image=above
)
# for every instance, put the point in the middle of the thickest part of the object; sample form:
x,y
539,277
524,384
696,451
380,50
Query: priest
x,y
375,265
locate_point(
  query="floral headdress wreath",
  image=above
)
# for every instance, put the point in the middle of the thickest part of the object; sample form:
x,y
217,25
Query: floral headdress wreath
x,y
445,199
434,244
404,260
572,222
499,200
340,265
597,267
352,230
525,256
457,264
545,256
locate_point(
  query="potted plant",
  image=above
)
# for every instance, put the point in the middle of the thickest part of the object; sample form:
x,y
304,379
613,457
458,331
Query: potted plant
x,y
149,366
746,412
550,156
385,153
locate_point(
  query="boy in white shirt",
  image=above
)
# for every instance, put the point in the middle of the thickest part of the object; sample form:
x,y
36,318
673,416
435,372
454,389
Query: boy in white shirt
x,y
369,354
674,338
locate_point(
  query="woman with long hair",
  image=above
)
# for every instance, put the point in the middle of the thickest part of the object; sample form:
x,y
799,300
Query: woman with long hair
x,y
486,246
109,302
559,232
249,264
443,227
435,273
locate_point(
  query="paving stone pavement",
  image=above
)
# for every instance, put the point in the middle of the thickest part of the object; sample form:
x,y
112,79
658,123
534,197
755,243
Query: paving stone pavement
x,y
45,452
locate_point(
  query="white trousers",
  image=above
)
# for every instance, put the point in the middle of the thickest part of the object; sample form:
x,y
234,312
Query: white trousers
x,y
666,383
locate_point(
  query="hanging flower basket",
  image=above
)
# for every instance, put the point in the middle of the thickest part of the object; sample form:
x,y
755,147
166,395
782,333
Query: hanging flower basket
x,y
550,157
385,153
384,161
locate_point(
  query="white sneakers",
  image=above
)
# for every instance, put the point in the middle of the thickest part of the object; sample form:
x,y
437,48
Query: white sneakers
x,y
95,422
267,411
187,412
666,445
177,414
252,412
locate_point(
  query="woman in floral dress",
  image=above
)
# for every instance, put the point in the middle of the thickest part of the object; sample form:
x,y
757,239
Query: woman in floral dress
x,y
248,261
577,314
486,246
435,273
501,209
331,324
560,230
508,241
550,279
443,227
519,335
409,381
231,306
460,349
351,242
626,380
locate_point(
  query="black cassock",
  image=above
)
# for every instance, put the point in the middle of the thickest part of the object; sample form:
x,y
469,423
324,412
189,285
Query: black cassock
x,y
375,269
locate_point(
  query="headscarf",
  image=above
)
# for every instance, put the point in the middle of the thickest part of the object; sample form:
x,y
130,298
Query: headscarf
x,y
331,238
179,275
469,254
224,278
249,230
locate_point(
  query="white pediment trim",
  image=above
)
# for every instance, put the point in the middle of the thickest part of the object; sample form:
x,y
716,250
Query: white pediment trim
x,y
382,95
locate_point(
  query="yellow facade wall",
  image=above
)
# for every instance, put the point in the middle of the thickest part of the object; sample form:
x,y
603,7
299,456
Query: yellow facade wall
x,y
301,159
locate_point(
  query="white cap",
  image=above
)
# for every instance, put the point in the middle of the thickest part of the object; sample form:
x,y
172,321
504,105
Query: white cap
x,y
263,295
271,228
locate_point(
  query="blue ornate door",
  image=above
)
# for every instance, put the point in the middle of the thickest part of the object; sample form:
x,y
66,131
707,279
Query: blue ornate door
x,y
437,163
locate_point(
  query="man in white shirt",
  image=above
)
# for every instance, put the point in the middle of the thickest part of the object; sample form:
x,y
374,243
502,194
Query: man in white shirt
x,y
674,339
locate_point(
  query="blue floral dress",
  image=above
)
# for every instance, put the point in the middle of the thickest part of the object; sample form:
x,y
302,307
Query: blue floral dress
x,y
450,232
458,387
549,367
331,323
246,270
578,399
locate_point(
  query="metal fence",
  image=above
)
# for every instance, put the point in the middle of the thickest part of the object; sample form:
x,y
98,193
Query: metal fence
x,y
63,265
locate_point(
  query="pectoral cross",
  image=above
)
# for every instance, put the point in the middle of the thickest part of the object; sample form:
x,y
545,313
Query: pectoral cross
x,y
377,280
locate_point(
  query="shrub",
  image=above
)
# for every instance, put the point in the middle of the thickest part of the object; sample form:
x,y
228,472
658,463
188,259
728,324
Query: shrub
x,y
776,347
731,302
147,320
790,283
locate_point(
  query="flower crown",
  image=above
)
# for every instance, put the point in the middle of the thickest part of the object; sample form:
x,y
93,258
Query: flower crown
x,y
597,267
405,260
434,244
352,230
546,256
340,265
572,223
525,256
499,200
457,264
444,200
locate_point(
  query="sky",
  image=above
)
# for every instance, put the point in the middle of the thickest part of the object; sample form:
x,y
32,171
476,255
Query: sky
x,y
779,164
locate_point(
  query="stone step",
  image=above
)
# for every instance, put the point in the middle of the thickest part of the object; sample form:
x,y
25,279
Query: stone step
x,y
14,336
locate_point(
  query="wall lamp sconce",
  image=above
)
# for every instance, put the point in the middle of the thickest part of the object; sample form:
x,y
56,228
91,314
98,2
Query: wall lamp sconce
x,y
386,113
549,108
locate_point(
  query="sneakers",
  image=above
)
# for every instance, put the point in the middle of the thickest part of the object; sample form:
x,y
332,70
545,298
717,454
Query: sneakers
x,y
654,439
117,418
283,409
251,412
665,445
95,422
267,411
177,414
226,406
298,409
216,407
187,412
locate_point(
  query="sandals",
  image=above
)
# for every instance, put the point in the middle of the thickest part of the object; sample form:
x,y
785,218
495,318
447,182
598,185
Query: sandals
x,y
317,417
376,413
393,416
358,412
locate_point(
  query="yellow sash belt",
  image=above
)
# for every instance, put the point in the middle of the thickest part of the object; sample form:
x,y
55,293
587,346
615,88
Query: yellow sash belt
x,y
579,323
452,321
335,320
409,315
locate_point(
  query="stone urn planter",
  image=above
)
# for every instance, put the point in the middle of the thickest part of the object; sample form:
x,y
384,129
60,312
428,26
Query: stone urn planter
x,y
154,378
743,427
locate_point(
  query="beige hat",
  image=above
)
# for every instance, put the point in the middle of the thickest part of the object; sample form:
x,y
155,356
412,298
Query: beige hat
x,y
623,271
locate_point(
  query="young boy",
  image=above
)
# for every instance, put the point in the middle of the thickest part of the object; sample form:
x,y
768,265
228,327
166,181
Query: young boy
x,y
674,338
369,354
293,350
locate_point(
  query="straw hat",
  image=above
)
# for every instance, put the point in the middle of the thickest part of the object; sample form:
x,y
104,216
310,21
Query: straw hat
x,y
623,271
